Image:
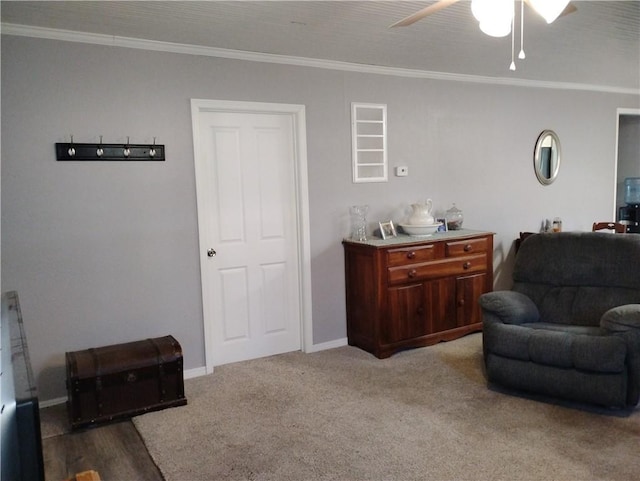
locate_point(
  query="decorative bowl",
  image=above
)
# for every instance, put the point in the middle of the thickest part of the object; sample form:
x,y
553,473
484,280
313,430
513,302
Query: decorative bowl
x,y
420,230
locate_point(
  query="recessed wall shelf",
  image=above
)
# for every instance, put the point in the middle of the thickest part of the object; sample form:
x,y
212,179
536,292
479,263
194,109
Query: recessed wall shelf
x,y
109,152
369,142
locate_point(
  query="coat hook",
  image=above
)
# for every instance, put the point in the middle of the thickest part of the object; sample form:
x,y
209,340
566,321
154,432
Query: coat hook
x,y
152,151
127,150
71,151
100,150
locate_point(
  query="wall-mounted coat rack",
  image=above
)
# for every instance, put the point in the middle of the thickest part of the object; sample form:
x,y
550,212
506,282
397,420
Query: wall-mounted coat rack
x,y
100,151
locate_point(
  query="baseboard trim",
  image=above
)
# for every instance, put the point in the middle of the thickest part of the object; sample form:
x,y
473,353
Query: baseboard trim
x,y
195,372
188,374
52,402
202,371
323,346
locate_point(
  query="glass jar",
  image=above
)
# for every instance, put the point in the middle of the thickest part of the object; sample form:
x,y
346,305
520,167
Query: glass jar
x,y
359,222
453,218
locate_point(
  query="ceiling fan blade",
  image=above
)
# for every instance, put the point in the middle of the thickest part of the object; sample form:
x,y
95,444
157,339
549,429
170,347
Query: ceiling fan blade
x,y
425,12
569,9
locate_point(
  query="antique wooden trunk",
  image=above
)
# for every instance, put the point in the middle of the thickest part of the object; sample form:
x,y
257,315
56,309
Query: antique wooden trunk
x,y
123,380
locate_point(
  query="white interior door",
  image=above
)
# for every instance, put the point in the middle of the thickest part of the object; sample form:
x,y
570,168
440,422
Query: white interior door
x,y
249,233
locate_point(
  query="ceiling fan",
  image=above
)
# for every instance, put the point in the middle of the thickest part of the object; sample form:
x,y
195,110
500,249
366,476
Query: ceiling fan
x,y
549,9
497,17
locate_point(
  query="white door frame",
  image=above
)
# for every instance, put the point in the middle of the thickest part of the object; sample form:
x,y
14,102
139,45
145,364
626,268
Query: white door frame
x,y
297,113
619,112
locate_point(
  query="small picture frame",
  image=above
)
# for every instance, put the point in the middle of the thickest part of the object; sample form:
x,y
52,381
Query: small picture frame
x,y
387,230
443,227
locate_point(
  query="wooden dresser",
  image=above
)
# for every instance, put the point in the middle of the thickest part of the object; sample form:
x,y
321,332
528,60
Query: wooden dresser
x,y
409,292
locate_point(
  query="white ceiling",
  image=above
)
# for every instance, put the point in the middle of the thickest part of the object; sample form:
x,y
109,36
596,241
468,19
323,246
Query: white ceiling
x,y
599,45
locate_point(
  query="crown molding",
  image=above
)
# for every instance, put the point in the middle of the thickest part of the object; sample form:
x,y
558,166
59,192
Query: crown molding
x,y
189,49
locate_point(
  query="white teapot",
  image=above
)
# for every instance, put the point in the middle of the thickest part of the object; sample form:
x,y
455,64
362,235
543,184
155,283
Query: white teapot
x,y
422,213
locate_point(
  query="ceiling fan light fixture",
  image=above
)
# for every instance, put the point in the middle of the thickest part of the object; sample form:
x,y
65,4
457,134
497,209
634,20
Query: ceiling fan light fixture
x,y
496,29
494,16
549,9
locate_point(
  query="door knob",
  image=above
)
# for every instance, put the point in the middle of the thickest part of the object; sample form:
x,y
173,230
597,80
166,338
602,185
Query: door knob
x,y
211,253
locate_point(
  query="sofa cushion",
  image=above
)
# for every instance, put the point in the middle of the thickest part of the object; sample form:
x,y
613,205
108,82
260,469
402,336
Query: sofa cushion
x,y
599,353
570,328
600,388
558,346
579,259
552,348
577,305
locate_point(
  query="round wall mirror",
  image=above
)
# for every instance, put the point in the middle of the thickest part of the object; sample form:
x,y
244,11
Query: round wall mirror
x,y
546,157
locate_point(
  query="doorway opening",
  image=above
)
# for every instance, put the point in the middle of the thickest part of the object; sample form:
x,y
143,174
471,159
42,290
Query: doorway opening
x,y
627,159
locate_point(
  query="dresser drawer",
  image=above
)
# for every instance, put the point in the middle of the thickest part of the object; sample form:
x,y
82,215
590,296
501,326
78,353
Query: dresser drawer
x,y
438,268
466,247
410,255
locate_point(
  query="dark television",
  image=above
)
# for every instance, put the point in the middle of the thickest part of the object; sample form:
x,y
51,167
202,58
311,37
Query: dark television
x,y
21,446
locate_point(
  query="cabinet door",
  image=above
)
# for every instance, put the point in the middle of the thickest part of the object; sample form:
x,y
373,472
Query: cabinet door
x,y
441,299
406,314
468,290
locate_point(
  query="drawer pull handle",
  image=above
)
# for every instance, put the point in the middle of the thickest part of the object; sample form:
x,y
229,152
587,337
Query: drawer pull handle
x,y
461,302
468,247
466,265
411,255
412,273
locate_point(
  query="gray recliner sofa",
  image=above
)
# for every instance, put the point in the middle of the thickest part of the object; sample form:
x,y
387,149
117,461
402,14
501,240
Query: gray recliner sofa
x,y
570,326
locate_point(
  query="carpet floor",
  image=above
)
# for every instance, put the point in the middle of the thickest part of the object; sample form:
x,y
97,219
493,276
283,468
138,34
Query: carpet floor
x,y
423,414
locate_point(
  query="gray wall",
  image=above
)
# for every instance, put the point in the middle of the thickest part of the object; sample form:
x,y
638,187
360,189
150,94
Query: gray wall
x,y
102,253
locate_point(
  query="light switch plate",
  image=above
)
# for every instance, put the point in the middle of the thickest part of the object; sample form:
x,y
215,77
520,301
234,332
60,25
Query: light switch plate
x,y
402,171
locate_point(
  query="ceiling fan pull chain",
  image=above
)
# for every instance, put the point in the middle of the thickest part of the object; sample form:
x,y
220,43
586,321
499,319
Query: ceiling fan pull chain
x,y
521,55
513,38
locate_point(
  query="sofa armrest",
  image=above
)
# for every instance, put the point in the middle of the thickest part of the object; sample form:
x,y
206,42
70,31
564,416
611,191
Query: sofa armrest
x,y
624,321
622,318
510,307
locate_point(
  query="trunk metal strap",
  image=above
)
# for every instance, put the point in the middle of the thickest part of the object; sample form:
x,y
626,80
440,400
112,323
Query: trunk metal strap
x,y
160,360
98,391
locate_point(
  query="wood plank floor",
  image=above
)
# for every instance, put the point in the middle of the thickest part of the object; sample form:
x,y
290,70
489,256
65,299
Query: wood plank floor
x,y
115,451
